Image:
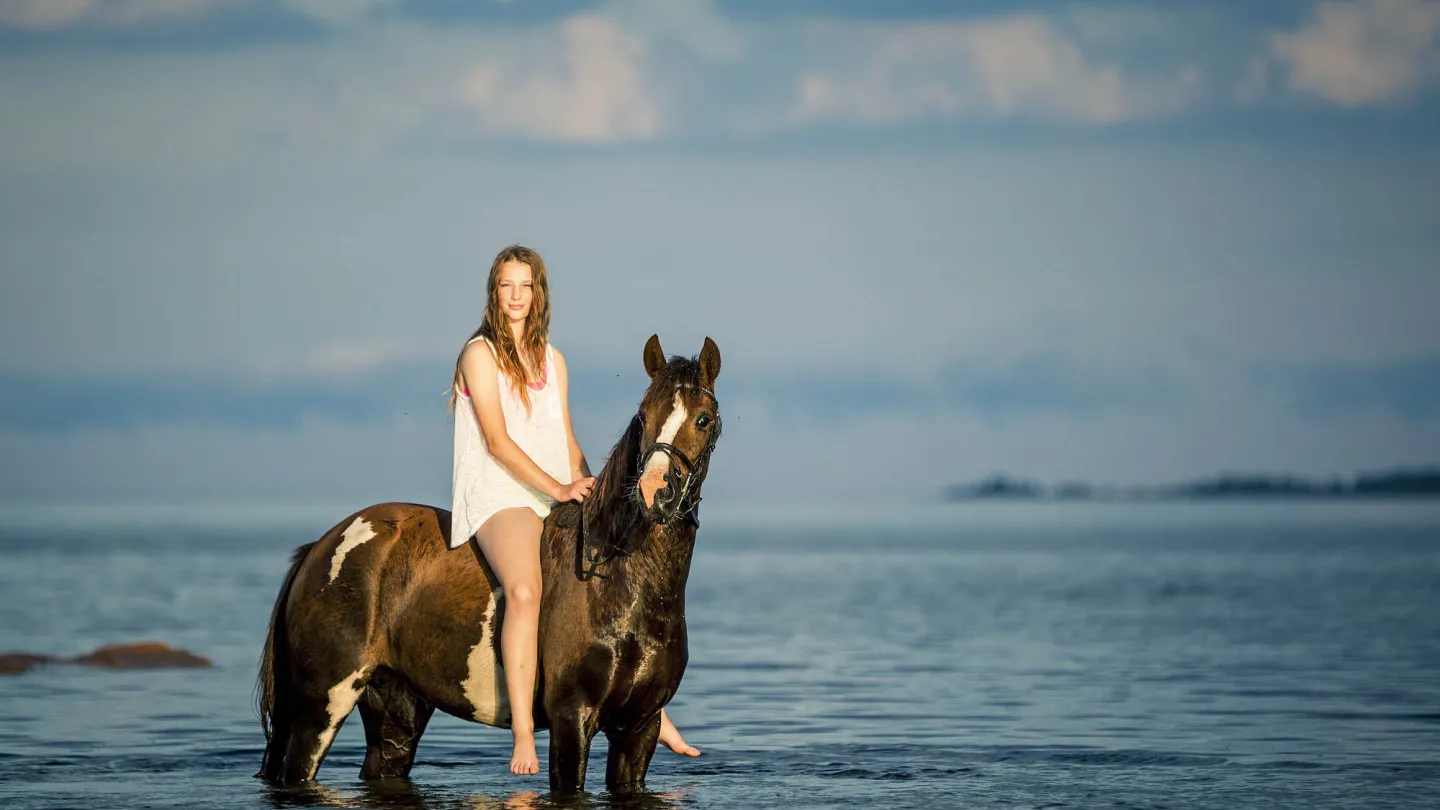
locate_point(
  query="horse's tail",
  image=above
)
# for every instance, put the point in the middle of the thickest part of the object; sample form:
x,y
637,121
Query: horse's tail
x,y
272,684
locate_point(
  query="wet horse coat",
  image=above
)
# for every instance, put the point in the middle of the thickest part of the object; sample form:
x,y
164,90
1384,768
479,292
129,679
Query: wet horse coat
x,y
379,613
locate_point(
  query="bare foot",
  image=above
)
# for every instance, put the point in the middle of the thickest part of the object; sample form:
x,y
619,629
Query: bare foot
x,y
670,738
523,761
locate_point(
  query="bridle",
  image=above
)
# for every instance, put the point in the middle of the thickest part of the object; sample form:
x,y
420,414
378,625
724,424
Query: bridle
x,y
688,503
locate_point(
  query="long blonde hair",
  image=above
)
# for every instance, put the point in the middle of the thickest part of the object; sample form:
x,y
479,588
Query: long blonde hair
x,y
496,328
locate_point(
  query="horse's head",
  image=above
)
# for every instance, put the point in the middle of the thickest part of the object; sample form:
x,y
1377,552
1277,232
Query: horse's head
x,y
678,423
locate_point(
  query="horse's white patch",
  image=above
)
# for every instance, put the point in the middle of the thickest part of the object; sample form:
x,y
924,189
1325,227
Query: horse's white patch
x,y
659,461
357,533
343,697
484,684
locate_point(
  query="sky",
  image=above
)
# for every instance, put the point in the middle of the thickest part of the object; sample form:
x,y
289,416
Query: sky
x,y
242,241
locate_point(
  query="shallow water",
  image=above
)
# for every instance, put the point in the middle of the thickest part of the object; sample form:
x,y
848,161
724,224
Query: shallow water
x,y
1137,656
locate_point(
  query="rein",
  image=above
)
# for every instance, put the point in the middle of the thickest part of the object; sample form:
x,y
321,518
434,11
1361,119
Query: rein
x,y
591,559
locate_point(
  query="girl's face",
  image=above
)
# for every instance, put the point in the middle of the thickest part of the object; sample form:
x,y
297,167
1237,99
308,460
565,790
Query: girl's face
x,y
515,290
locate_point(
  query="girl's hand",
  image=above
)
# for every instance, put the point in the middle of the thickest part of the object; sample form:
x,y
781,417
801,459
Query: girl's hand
x,y
576,491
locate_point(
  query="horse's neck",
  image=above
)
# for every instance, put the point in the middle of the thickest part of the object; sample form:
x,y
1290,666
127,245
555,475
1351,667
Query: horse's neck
x,y
651,563
659,561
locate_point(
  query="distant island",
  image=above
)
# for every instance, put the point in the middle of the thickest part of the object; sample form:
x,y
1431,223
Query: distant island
x,y
1404,483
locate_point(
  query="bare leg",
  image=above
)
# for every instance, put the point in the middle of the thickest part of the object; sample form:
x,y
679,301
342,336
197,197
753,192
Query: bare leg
x,y
511,543
670,738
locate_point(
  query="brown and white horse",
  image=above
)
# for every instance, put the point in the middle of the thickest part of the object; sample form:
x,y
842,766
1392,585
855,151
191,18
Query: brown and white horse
x,y
379,612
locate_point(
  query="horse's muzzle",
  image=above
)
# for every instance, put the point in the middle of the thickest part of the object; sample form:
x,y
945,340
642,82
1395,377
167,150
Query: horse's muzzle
x,y
666,502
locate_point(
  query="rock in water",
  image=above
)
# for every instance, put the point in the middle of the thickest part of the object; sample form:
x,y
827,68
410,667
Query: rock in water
x,y
16,663
141,655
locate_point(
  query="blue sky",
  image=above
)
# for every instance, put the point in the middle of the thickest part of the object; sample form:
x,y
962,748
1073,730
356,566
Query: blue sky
x,y
242,240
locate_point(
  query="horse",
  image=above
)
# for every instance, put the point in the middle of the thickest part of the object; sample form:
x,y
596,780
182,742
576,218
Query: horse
x,y
381,614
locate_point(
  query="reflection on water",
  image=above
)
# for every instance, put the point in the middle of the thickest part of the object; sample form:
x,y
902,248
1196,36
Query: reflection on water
x,y
403,794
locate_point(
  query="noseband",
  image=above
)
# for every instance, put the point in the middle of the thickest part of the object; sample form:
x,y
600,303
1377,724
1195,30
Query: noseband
x,y
687,505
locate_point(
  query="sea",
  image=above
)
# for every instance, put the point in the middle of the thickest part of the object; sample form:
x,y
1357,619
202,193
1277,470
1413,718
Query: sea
x,y
1266,654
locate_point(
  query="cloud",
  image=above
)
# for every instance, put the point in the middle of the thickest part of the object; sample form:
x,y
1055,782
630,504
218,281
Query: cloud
x,y
357,386
596,91
855,267
993,389
1022,66
584,79
172,110
1409,389
350,356
402,458
55,14
44,14
389,454
1365,52
39,405
695,26
336,14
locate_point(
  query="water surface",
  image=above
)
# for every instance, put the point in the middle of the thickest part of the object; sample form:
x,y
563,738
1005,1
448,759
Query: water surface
x,y
1083,655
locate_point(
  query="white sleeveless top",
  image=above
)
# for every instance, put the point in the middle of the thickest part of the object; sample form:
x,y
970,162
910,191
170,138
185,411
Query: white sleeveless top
x,y
481,484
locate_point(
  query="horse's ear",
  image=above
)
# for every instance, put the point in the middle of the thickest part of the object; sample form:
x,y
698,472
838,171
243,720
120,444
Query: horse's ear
x,y
654,357
710,362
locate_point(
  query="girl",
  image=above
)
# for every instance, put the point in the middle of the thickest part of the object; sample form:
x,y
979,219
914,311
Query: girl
x,y
516,455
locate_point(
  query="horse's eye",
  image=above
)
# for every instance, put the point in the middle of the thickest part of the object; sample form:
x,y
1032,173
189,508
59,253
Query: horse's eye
x,y
702,421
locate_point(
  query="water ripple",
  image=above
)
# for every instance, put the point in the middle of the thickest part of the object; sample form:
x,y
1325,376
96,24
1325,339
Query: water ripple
x,y
1287,665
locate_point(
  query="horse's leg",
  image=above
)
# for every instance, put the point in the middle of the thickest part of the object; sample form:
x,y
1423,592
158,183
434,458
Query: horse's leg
x,y
571,730
630,753
394,718
315,719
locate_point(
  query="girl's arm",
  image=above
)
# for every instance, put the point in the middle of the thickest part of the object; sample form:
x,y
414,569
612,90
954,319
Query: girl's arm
x,y
579,467
478,366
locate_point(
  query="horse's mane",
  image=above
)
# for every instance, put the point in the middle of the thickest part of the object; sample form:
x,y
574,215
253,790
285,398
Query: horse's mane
x,y
618,476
